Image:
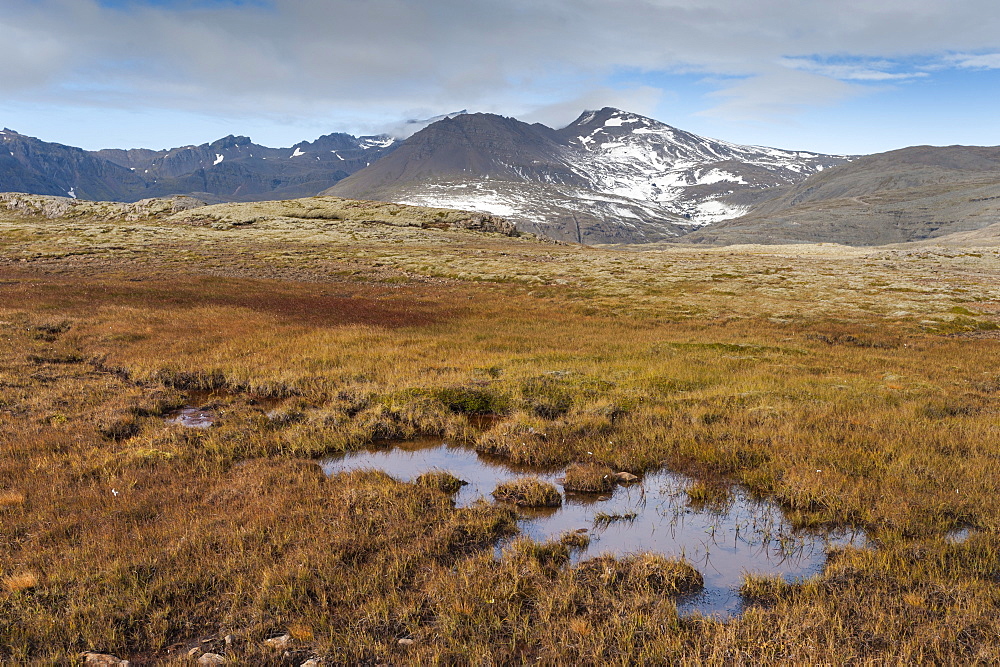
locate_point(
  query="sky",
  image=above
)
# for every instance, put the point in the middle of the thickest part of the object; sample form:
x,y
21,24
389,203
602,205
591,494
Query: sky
x,y
836,76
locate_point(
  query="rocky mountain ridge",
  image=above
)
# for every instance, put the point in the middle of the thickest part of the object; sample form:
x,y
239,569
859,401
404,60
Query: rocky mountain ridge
x,y
230,169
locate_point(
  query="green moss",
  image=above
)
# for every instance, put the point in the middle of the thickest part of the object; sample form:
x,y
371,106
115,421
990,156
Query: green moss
x,y
471,400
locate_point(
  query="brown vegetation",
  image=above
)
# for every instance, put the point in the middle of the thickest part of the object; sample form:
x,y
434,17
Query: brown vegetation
x,y
588,478
825,379
528,492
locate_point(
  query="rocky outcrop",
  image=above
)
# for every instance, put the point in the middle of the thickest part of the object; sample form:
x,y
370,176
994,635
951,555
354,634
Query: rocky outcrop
x,y
65,207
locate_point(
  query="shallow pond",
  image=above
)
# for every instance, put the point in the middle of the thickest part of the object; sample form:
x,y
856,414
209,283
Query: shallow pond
x,y
725,541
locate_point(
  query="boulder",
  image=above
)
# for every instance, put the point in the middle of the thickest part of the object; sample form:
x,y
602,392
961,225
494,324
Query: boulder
x,y
282,642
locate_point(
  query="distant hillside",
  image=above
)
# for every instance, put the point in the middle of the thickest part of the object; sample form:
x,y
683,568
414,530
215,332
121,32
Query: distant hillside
x,y
910,194
609,177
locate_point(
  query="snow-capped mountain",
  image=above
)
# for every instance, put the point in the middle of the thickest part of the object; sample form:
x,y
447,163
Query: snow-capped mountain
x,y
610,176
643,159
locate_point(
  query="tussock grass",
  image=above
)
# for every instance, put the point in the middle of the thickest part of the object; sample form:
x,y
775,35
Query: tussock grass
x,y
11,498
707,495
641,572
840,397
442,480
608,518
16,583
528,492
589,478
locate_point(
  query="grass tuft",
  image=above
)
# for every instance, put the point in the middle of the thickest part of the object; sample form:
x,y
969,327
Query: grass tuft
x,y
16,583
528,492
607,518
645,572
11,498
441,480
712,496
588,478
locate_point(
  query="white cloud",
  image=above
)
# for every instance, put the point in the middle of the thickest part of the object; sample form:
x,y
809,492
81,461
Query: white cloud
x,y
778,93
379,58
872,71
973,61
640,99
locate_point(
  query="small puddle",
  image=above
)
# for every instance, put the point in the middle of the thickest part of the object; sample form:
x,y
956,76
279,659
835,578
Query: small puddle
x,y
191,417
741,536
202,408
959,535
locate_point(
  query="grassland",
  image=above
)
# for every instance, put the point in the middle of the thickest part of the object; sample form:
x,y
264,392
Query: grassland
x,y
852,386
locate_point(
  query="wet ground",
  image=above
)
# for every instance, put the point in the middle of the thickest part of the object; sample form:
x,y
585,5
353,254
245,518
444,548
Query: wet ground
x,y
725,540
192,417
205,408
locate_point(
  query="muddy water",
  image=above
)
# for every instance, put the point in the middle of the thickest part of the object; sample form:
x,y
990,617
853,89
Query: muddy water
x,y
203,408
724,542
191,417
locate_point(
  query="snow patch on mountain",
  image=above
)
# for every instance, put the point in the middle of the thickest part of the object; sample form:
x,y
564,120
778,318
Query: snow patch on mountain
x,y
375,142
719,176
639,158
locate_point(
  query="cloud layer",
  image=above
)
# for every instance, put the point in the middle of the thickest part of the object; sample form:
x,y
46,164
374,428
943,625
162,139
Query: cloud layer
x,y
541,58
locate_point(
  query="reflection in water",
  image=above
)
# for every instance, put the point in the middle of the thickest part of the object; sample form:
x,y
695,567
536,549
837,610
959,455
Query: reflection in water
x,y
192,417
202,409
723,541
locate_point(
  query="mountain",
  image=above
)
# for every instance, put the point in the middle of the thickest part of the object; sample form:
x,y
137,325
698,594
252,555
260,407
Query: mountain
x,y
610,176
37,167
922,192
230,169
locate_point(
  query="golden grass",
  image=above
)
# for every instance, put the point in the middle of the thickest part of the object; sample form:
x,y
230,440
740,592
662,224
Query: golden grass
x,y
588,478
528,492
840,383
15,583
442,480
11,498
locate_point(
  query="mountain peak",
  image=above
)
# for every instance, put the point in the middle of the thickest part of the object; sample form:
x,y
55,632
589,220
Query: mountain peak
x,y
611,117
230,141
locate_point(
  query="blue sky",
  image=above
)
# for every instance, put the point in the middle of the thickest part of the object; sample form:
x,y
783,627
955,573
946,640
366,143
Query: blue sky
x,y
841,76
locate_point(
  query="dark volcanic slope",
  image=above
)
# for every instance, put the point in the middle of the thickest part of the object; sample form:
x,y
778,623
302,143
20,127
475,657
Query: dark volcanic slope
x,y
230,169
483,145
905,195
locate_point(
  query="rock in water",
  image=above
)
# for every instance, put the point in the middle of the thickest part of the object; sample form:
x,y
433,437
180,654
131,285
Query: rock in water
x,y
626,478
